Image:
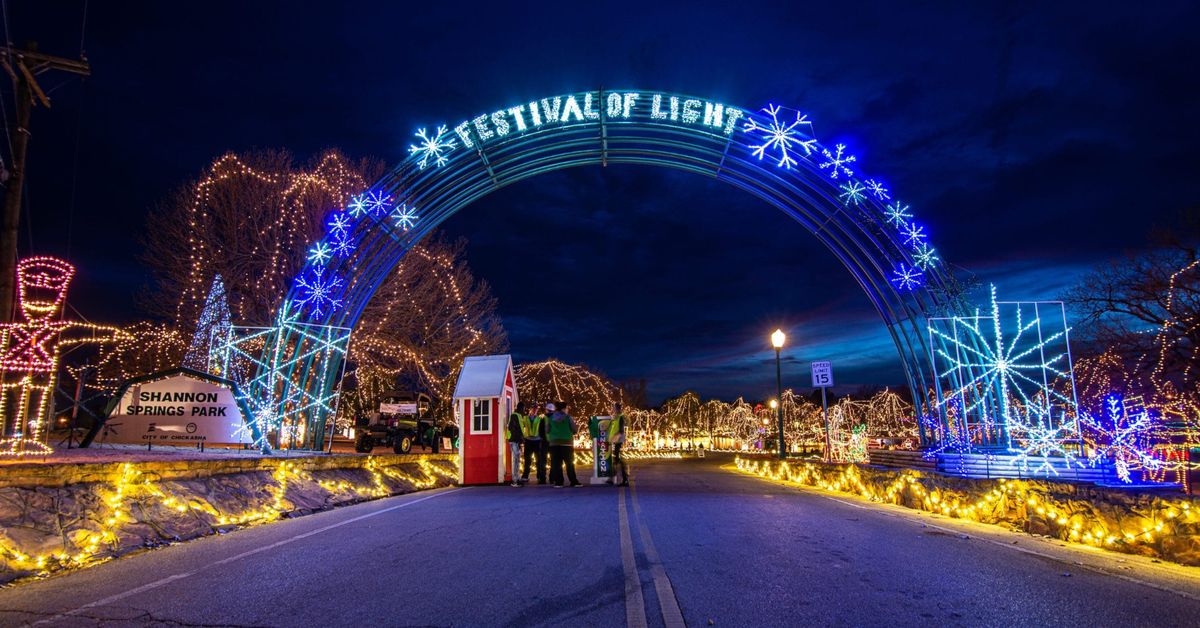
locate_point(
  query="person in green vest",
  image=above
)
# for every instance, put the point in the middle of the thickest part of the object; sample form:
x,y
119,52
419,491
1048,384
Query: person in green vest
x,y
562,445
533,428
514,436
616,440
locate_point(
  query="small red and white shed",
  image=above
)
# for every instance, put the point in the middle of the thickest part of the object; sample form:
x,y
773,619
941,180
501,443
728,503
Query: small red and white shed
x,y
484,398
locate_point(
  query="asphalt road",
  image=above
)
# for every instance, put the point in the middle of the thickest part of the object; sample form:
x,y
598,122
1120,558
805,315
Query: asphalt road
x,y
693,543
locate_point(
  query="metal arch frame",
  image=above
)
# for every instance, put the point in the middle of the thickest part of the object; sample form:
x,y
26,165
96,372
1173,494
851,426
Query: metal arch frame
x,y
856,234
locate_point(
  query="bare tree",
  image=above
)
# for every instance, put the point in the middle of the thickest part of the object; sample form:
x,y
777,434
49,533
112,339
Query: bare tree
x,y
1141,314
251,218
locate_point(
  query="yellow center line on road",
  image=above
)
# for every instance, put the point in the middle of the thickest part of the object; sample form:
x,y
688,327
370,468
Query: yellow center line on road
x,y
672,616
635,605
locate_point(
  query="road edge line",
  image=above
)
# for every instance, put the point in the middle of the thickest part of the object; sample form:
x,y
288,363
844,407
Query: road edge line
x,y
180,576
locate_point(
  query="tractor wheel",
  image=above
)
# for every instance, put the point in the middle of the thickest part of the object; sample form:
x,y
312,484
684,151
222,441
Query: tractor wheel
x,y
364,443
403,444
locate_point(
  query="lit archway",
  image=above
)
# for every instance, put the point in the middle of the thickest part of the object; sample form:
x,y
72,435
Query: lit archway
x,y
770,153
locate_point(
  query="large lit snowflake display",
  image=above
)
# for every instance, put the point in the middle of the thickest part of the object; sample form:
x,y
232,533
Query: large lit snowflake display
x,y
1035,437
1123,435
780,138
1011,369
273,377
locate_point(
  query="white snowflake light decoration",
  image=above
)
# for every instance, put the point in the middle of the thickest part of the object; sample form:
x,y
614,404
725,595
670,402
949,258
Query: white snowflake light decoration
x,y
852,193
1037,438
836,161
897,214
342,245
339,224
405,217
924,256
319,253
907,278
432,148
374,204
319,293
914,234
878,190
781,138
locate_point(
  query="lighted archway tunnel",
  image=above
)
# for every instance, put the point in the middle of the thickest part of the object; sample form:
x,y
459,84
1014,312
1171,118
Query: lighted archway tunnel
x,y
769,152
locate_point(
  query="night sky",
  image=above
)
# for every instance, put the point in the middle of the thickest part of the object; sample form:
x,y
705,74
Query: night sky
x,y
1034,140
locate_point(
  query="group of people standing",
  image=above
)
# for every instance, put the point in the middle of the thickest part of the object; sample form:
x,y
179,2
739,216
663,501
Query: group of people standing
x,y
552,429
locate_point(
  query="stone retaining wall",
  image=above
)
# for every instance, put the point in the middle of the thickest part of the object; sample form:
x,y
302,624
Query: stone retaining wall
x,y
1136,521
54,517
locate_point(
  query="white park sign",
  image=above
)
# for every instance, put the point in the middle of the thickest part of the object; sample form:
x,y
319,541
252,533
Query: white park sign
x,y
178,409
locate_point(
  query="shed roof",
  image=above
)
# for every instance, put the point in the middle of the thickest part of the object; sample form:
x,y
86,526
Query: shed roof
x,y
483,376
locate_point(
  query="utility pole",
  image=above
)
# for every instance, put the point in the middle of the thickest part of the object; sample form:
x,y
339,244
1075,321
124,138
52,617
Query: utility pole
x,y
23,67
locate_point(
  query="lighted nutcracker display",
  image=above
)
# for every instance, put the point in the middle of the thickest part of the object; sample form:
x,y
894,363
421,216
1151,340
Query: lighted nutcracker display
x,y
29,352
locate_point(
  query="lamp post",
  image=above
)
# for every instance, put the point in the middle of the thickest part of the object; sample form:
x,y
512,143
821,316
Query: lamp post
x,y
777,339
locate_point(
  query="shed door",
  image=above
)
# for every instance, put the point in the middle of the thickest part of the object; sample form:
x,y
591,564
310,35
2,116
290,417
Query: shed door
x,y
480,442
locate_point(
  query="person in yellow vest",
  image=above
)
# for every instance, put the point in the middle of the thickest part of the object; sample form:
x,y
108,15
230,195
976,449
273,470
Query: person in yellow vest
x,y
515,434
533,428
616,441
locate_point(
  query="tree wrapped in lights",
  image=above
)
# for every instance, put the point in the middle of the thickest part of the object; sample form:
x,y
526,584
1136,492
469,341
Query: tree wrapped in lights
x,y
214,319
251,219
587,393
1119,301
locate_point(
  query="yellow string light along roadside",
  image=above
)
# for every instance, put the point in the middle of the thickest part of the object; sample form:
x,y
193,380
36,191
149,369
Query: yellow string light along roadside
x,y
131,490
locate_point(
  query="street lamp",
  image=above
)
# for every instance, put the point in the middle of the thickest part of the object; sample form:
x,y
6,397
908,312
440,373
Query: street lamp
x,y
777,339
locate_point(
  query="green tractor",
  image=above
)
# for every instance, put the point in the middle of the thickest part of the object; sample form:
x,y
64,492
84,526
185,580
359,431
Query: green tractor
x,y
402,419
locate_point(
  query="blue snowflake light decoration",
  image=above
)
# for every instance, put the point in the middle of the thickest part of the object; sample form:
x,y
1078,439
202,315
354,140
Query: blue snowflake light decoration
x,y
432,147
318,293
405,217
781,138
897,214
881,193
836,161
852,193
907,278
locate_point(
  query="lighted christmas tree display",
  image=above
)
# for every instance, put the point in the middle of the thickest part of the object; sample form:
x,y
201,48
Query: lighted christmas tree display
x,y
214,319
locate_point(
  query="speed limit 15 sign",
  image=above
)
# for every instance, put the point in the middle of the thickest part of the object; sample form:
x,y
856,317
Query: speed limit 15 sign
x,y
822,374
